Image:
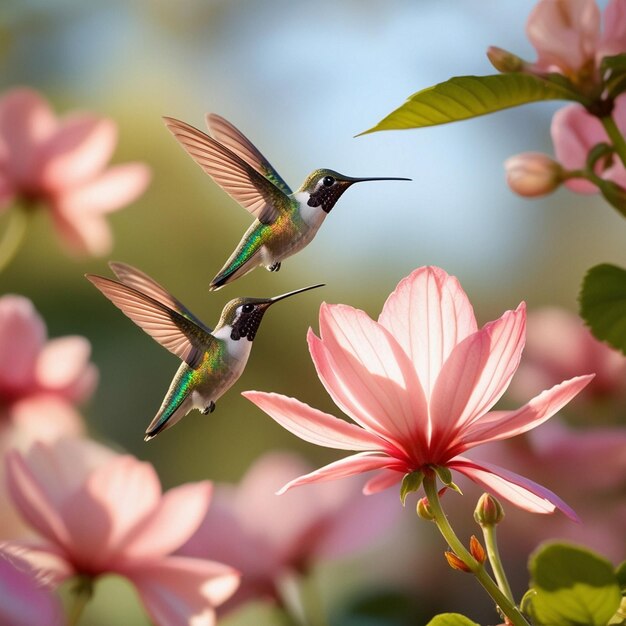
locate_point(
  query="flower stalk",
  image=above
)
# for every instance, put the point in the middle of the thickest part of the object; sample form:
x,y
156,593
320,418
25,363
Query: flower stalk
x,y
13,235
81,593
616,137
505,604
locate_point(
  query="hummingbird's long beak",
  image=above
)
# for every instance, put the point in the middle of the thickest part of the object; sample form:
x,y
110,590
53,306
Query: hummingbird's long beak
x,y
292,293
350,179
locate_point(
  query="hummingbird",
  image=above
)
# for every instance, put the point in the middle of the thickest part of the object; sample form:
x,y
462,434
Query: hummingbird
x,y
285,221
212,360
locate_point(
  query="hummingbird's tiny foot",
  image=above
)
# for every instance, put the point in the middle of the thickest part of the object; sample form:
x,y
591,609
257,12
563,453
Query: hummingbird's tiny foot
x,y
209,409
274,267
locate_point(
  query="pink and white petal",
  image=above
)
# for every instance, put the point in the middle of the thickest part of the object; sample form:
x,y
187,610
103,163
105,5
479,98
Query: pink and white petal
x,y
521,491
613,40
115,498
476,375
313,425
351,465
26,121
182,591
574,132
83,233
115,188
22,334
565,34
505,424
382,480
428,313
369,376
47,561
63,362
79,149
33,503
176,519
44,417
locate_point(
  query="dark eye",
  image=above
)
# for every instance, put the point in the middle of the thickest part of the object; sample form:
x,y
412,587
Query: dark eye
x,y
328,181
248,308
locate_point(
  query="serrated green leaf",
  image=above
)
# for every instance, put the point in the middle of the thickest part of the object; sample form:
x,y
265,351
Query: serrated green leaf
x,y
571,586
603,304
451,619
410,483
464,97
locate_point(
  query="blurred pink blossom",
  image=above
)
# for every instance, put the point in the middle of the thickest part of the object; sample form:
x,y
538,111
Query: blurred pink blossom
x,y
568,38
41,381
420,384
100,512
558,346
25,600
575,132
268,538
533,174
62,163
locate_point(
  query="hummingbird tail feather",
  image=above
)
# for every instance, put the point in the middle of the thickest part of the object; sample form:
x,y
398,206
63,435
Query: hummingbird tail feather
x,y
172,411
232,271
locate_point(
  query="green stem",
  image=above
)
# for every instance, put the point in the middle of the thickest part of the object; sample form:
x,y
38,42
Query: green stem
x,y
493,554
13,236
616,137
82,592
507,607
311,601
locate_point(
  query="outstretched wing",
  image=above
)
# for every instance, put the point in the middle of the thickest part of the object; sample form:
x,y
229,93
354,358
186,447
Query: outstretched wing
x,y
136,279
180,335
238,143
239,179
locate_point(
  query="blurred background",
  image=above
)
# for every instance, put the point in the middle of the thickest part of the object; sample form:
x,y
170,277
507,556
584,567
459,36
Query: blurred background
x,y
300,79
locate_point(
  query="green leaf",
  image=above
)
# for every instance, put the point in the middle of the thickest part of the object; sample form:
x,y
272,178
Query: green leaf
x,y
620,572
464,97
603,304
451,619
614,64
571,586
613,194
445,475
410,483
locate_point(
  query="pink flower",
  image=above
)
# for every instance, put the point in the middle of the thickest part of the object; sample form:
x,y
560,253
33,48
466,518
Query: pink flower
x,y
558,346
25,601
533,174
420,384
63,164
267,538
567,37
575,132
101,512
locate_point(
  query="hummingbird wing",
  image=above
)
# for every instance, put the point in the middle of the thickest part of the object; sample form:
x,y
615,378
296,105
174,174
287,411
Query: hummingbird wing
x,y
135,278
256,193
179,334
237,142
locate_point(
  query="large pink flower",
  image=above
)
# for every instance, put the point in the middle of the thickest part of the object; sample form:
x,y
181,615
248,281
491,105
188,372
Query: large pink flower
x,y
101,512
567,36
267,538
420,384
63,164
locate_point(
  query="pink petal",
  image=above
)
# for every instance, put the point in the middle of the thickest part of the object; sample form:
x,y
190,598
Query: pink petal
x,y
83,233
78,151
312,425
115,498
44,417
48,561
574,132
428,313
113,189
181,591
22,334
382,480
565,34
369,376
355,464
24,601
63,366
521,491
613,40
504,424
26,121
33,503
177,517
476,375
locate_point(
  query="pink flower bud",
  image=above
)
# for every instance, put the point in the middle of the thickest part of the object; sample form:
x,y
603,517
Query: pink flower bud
x,y
533,174
488,511
505,61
